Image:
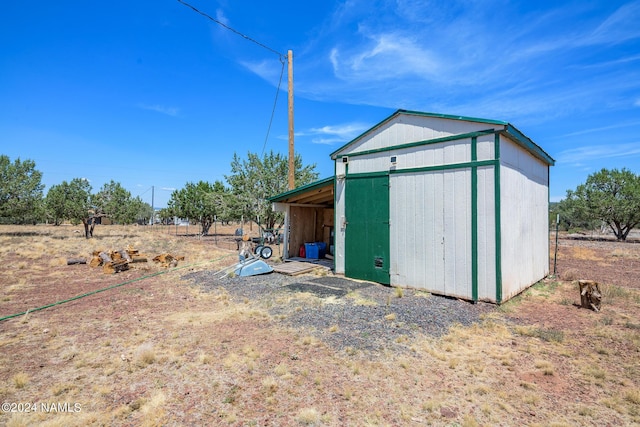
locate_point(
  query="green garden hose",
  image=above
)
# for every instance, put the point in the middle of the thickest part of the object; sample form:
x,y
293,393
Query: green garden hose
x,y
108,288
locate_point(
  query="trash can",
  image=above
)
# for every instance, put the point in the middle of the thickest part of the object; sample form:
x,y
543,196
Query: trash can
x,y
322,249
311,251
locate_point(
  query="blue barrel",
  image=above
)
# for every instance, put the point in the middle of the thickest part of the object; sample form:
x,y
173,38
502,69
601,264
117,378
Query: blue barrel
x,y
311,251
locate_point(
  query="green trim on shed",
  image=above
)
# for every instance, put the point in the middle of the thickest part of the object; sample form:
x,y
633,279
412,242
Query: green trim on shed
x,y
423,142
477,163
524,141
474,220
498,221
452,117
465,165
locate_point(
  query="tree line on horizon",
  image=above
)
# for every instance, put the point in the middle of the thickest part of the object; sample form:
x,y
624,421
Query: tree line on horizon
x,y
251,182
607,199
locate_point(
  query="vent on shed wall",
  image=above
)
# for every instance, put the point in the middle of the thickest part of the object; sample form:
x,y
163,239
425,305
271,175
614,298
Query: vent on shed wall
x,y
378,262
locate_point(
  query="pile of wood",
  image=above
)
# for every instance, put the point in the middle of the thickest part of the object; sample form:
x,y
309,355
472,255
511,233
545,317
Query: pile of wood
x,y
116,261
168,260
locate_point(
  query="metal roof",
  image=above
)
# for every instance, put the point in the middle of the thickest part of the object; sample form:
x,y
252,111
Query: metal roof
x,y
508,131
316,193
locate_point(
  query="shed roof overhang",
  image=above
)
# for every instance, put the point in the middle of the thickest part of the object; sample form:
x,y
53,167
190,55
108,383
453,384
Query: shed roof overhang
x,y
525,142
318,193
499,126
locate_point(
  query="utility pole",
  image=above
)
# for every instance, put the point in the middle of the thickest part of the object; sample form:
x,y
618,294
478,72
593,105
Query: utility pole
x,y
292,183
153,211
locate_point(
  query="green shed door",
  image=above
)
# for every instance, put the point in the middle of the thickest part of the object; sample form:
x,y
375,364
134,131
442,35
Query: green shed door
x,y
367,231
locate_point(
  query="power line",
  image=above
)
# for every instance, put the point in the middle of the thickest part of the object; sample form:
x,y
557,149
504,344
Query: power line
x,y
233,30
145,192
273,111
280,55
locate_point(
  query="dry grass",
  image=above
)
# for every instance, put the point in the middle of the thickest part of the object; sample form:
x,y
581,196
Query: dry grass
x,y
145,355
586,254
624,253
308,416
160,352
20,380
270,385
556,335
570,275
612,292
358,299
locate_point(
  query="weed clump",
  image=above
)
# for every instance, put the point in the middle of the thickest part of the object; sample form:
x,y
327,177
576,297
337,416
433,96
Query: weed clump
x,y
270,385
145,355
20,380
308,416
570,275
549,335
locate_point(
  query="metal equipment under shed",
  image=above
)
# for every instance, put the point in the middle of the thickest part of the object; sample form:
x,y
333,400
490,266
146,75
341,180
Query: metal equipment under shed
x,y
310,208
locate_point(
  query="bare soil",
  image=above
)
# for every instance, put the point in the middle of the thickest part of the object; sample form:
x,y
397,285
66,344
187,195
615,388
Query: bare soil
x,y
182,347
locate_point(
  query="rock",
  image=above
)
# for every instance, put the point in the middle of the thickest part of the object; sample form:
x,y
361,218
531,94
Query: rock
x,y
448,412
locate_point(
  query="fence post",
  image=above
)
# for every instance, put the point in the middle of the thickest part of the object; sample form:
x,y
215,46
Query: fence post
x,y
555,255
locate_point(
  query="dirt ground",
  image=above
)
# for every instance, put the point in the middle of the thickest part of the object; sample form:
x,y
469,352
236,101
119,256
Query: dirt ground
x,y
158,346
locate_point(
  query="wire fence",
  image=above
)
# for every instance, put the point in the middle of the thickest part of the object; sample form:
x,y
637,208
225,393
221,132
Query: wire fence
x,y
225,235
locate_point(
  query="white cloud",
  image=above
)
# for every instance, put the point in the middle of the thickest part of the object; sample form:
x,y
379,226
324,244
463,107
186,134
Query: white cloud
x,y
616,28
615,62
468,58
345,131
268,69
327,141
620,26
385,56
603,128
220,16
334,134
169,111
578,156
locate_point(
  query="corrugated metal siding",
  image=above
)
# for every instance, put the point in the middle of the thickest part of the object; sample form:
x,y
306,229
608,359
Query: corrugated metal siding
x,y
524,215
410,129
485,148
417,248
431,231
486,235
445,153
457,228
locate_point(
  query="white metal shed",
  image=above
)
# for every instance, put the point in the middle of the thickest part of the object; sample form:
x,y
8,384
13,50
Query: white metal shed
x,y
454,205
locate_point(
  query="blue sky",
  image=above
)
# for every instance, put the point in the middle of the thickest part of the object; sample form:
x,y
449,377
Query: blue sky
x,y
150,93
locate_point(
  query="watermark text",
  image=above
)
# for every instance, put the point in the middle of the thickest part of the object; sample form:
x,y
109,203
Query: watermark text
x,y
46,407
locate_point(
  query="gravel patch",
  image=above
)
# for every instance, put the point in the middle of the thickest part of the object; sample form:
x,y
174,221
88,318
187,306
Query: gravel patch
x,y
347,314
